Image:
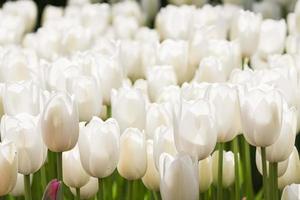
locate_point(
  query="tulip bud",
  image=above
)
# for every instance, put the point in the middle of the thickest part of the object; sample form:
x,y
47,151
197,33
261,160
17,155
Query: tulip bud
x,y
133,154
53,190
59,123
194,130
272,37
227,118
178,169
286,139
246,28
87,95
127,100
159,77
8,167
228,168
205,174
291,192
261,115
23,130
292,173
73,172
21,97
99,147
151,178
89,190
157,116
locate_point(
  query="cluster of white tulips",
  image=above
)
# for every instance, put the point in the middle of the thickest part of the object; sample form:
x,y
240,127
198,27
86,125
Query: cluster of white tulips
x,y
96,105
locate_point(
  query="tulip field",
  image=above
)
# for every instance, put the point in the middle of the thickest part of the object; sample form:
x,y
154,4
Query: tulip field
x,y
150,100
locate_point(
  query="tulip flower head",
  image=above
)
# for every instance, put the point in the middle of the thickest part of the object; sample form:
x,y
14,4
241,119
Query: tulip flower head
x,y
60,123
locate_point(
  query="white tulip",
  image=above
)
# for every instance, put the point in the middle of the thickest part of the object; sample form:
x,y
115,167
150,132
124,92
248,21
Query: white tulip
x,y
96,18
286,139
210,70
175,53
57,74
73,172
151,178
19,187
157,115
272,37
198,42
128,100
282,166
125,27
89,190
195,91
87,94
174,22
178,169
127,9
8,167
227,117
21,97
145,34
159,77
205,174
99,147
261,115
133,154
291,192
246,28
110,76
59,123
130,57
228,168
194,129
52,13
292,174
23,130
14,66
163,142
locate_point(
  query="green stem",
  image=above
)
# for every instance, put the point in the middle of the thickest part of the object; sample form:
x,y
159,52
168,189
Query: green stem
x,y
103,189
220,172
99,195
77,193
43,177
236,168
271,181
155,195
129,190
59,172
27,188
264,166
275,180
248,175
